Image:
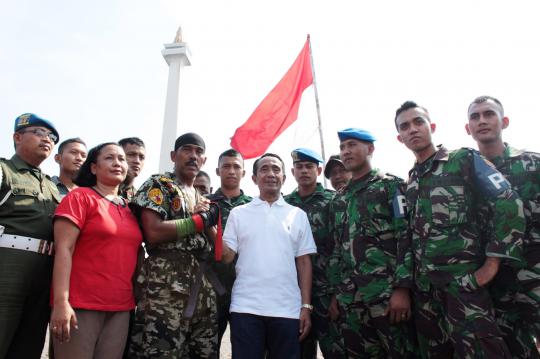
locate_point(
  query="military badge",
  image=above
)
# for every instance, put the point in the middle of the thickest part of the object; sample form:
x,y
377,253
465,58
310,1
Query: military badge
x,y
23,120
176,203
165,179
155,195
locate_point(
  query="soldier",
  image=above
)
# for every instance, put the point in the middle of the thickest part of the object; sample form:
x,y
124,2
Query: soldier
x,y
229,195
136,156
70,157
28,199
176,313
335,171
453,312
313,199
368,270
516,298
203,184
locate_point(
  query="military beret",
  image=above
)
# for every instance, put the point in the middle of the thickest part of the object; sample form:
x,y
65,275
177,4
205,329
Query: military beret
x,y
305,154
355,133
29,119
332,162
189,138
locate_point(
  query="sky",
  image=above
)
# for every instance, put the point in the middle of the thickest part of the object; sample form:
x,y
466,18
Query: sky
x,y
96,71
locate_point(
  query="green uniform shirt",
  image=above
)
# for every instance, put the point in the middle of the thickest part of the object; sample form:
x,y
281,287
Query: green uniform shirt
x,y
226,272
29,209
369,227
316,208
444,195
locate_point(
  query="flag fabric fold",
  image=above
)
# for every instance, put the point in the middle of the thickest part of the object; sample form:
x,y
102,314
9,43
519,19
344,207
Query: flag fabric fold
x,y
277,111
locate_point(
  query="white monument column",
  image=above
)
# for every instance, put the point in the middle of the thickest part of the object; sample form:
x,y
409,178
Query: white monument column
x,y
177,56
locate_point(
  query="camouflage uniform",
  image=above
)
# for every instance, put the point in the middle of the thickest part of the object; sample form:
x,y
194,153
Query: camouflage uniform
x,y
128,192
169,276
444,194
225,272
369,260
323,330
516,302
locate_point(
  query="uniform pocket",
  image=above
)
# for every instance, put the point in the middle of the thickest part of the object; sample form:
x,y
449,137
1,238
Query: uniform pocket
x,y
23,195
448,206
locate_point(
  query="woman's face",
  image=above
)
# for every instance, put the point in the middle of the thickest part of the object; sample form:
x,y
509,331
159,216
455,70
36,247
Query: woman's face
x,y
111,166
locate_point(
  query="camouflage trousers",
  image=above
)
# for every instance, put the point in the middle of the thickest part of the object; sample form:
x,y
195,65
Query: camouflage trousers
x,y
368,333
456,320
324,331
160,330
517,308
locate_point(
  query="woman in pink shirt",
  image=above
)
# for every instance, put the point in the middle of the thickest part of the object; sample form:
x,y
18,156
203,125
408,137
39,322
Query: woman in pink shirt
x,y
96,241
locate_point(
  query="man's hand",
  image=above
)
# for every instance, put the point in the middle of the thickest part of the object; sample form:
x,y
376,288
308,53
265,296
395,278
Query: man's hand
x,y
305,323
399,306
333,310
487,272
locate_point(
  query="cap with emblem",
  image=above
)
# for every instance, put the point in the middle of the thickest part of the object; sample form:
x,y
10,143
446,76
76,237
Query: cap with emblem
x,y
356,134
189,138
30,119
332,162
305,154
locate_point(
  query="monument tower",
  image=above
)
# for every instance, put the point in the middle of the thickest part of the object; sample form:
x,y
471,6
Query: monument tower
x,y
177,55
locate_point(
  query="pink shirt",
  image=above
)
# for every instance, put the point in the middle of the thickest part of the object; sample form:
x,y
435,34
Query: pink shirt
x,y
105,253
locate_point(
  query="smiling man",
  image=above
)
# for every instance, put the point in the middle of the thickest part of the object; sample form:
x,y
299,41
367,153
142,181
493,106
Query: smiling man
x,y
453,264
28,198
336,172
70,157
176,312
271,297
515,293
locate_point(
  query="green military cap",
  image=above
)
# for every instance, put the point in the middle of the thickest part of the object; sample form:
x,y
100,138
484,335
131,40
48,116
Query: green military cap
x,y
332,162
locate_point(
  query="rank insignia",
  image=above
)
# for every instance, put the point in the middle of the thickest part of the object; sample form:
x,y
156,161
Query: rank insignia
x,y
155,195
23,120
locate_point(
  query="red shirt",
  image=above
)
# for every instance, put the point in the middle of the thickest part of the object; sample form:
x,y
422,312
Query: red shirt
x,y
105,253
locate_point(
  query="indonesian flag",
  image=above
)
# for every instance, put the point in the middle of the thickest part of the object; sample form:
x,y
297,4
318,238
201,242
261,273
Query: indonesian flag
x,y
277,111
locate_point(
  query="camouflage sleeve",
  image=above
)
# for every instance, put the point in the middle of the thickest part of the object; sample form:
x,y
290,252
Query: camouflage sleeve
x,y
339,276
151,195
403,270
508,220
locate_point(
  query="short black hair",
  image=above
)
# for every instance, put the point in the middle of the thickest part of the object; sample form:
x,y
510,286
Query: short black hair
x,y
268,154
68,141
85,177
482,99
204,174
131,141
230,153
407,105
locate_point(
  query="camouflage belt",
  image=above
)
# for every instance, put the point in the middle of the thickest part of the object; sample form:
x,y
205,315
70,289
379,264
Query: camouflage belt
x,y
204,269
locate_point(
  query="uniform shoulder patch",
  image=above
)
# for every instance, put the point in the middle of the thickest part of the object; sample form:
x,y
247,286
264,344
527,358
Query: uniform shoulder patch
x,y
490,181
176,203
155,195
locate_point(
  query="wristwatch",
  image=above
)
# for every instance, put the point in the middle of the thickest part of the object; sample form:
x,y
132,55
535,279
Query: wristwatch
x,y
307,306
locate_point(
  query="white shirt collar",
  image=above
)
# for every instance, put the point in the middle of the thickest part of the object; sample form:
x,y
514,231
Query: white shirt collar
x,y
258,201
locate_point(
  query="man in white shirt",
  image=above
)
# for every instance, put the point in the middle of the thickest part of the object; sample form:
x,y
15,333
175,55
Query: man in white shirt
x,y
271,297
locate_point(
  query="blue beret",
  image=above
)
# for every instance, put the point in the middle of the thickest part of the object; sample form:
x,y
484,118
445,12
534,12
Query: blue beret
x,y
29,119
355,133
305,154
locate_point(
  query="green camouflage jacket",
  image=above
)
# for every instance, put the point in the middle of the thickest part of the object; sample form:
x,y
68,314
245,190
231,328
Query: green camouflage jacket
x,y
444,197
226,272
316,208
368,225
163,195
522,170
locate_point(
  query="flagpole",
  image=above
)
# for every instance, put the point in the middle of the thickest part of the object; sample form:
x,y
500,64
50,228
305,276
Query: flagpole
x,y
318,108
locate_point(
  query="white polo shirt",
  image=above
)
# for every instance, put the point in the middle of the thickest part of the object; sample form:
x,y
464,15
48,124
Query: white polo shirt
x,y
267,240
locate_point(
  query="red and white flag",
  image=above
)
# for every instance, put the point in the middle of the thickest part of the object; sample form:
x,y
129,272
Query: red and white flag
x,y
277,111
